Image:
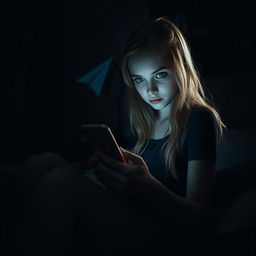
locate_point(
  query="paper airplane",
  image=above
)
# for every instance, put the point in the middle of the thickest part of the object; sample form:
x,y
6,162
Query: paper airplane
x,y
96,77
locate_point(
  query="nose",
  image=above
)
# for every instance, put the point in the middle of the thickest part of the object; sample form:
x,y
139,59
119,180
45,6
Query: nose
x,y
152,88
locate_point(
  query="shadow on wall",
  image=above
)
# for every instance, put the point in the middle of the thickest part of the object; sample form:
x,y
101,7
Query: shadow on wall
x,y
94,99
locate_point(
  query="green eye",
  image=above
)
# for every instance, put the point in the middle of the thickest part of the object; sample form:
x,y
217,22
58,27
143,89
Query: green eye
x,y
161,75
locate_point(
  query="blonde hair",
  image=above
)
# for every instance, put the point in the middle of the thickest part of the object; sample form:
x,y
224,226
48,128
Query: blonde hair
x,y
161,33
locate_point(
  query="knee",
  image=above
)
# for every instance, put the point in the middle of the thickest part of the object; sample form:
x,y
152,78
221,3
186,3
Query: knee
x,y
58,177
43,157
44,162
59,183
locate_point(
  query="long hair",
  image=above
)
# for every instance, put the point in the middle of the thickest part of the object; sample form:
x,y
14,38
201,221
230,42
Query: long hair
x,y
162,34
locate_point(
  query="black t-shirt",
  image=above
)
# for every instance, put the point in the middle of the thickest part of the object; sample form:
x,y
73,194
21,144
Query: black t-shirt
x,y
200,142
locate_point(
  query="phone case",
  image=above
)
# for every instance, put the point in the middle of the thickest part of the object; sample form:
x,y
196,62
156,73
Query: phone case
x,y
100,137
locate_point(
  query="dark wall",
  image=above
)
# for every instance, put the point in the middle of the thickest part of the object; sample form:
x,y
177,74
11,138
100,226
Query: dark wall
x,y
46,46
222,38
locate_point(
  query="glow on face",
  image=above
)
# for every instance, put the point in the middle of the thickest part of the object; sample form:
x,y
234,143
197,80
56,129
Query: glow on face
x,y
153,78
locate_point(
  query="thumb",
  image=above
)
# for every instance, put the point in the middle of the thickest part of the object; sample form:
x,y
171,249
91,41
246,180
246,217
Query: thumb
x,y
131,157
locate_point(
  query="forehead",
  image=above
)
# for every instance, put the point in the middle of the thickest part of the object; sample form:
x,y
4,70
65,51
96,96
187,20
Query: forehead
x,y
146,61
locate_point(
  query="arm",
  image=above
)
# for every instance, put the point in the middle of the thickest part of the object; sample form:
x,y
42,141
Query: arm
x,y
193,209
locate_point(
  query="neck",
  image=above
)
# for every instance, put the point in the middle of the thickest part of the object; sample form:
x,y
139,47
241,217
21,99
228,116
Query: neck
x,y
162,118
164,113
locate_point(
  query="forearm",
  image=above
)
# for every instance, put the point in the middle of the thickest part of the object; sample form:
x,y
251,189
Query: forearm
x,y
164,205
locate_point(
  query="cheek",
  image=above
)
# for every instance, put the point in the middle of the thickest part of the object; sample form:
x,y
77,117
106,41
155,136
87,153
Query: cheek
x,y
141,92
170,89
174,90
172,85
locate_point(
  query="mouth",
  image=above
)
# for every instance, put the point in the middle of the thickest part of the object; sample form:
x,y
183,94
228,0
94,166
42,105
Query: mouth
x,y
155,100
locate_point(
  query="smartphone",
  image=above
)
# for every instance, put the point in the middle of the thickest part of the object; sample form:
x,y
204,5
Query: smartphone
x,y
101,138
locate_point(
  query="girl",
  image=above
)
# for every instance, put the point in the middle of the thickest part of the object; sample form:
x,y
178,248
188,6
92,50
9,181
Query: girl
x,y
158,201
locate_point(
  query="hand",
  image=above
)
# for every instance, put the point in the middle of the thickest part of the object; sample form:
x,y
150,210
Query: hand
x,y
88,164
125,179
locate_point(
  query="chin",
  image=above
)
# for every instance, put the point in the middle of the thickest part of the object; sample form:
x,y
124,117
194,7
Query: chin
x,y
157,107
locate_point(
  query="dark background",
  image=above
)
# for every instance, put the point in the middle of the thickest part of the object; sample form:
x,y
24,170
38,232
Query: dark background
x,y
47,45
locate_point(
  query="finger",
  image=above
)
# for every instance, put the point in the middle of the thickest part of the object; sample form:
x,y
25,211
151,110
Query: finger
x,y
94,159
105,170
112,162
85,164
108,180
89,163
131,157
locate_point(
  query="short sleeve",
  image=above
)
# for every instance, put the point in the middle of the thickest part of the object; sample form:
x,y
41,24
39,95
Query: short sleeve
x,y
201,139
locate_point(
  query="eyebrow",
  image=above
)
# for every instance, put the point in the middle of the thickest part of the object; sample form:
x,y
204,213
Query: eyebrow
x,y
162,67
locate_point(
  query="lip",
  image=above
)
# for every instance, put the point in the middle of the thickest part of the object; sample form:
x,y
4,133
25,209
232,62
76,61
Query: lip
x,y
156,100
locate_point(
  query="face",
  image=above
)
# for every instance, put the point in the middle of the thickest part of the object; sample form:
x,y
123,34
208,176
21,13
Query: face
x,y
153,79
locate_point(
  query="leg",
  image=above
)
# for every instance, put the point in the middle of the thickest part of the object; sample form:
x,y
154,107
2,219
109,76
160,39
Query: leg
x,y
31,172
108,224
39,165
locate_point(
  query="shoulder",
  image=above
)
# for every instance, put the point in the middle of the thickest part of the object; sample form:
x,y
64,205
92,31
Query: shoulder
x,y
200,114
201,118
199,122
201,134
